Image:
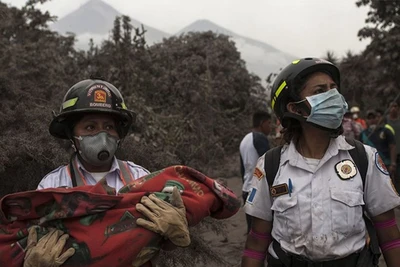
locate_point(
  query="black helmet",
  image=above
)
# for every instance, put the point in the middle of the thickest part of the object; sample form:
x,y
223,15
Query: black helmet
x,y
90,96
285,87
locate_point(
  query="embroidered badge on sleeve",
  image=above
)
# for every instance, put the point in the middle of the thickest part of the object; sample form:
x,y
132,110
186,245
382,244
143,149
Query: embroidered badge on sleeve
x,y
250,197
380,165
346,169
258,173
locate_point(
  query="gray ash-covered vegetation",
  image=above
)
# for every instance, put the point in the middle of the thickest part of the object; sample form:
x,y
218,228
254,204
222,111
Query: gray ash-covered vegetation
x,y
192,94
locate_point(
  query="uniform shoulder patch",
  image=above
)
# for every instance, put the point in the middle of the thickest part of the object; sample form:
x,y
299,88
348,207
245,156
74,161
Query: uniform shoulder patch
x,y
258,173
250,197
346,169
380,165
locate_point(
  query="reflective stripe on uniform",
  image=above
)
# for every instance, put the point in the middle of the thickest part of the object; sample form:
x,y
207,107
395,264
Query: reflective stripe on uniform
x,y
390,128
126,174
79,180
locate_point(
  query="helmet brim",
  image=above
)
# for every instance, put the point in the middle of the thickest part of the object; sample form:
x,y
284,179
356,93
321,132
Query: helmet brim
x,y
60,125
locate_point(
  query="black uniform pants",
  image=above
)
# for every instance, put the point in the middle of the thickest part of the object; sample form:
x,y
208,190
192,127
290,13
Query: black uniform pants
x,y
292,260
349,261
248,217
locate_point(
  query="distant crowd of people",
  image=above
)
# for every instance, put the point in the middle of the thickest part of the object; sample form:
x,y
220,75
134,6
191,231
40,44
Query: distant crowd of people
x,y
379,129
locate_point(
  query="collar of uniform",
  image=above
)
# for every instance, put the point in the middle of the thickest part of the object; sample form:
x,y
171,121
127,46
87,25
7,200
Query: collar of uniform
x,y
336,144
340,143
291,155
114,166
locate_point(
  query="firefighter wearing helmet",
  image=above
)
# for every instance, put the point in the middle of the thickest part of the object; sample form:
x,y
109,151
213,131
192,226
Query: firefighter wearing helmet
x,y
97,146
307,208
94,117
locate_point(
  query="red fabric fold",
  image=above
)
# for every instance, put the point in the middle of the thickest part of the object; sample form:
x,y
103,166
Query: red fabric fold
x,y
102,225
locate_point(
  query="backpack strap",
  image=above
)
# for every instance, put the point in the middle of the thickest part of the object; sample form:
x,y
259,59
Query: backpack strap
x,y
271,164
359,155
73,171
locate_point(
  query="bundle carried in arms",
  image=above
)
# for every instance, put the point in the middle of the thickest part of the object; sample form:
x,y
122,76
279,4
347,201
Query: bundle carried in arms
x,y
102,224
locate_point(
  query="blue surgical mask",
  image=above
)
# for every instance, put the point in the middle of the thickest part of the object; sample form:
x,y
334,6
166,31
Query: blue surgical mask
x,y
327,109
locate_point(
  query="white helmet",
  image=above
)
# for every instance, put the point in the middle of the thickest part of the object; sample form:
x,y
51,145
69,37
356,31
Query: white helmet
x,y
355,109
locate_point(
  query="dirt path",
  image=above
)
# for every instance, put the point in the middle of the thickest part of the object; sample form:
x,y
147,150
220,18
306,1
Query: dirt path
x,y
231,249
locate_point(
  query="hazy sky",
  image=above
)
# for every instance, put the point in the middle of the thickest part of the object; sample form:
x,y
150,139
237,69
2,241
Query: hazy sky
x,y
300,27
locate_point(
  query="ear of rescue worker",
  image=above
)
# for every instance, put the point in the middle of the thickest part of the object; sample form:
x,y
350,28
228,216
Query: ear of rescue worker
x,y
164,218
48,251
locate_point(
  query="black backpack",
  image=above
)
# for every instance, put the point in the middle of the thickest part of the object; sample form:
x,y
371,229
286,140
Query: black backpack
x,y
358,154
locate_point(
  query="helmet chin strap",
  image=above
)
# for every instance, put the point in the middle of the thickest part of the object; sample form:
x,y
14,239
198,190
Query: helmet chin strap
x,y
73,145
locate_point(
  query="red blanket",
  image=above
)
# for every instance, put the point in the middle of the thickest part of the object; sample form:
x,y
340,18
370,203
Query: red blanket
x,y
101,224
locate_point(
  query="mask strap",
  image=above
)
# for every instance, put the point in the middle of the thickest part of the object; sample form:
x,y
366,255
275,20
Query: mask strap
x,y
303,106
78,138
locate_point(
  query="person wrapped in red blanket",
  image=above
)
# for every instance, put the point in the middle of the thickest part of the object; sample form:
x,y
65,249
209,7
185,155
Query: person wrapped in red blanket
x,y
101,224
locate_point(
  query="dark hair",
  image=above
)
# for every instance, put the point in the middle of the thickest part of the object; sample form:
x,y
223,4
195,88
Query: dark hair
x,y
292,131
394,101
259,117
380,111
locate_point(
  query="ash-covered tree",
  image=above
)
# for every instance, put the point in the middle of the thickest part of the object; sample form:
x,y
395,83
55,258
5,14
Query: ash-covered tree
x,y
36,65
202,94
192,93
380,59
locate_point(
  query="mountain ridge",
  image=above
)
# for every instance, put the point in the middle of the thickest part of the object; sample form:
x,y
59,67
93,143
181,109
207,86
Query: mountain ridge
x,y
225,31
260,57
100,25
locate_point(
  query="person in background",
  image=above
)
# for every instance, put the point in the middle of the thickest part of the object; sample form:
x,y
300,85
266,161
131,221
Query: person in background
x,y
312,214
382,139
351,129
253,146
382,120
357,117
